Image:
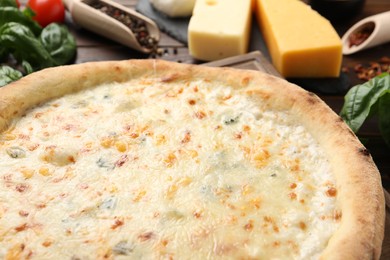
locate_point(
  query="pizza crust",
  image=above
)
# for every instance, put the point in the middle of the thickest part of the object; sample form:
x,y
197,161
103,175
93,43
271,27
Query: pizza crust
x,y
358,181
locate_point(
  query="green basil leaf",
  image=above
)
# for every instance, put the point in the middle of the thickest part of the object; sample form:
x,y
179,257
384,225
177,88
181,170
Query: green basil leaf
x,y
27,67
361,99
8,74
384,116
12,3
59,43
13,14
23,45
3,53
28,12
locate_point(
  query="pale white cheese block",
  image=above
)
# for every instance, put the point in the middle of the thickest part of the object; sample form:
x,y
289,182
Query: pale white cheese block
x,y
174,8
219,29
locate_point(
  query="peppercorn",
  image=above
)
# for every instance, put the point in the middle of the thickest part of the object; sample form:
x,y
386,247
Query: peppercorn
x,y
136,25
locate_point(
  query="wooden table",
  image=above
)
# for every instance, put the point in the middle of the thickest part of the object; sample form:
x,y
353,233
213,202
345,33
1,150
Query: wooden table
x,y
92,47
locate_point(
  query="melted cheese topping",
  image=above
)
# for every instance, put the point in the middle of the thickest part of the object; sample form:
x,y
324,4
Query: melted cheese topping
x,y
152,170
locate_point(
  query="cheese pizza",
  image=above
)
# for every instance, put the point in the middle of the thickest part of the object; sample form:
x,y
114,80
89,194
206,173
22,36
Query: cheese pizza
x,y
148,159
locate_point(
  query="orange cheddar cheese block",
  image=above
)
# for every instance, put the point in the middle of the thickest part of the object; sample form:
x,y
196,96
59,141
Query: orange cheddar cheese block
x,y
219,28
301,42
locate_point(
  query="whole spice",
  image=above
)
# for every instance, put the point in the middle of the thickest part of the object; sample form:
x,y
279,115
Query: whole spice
x,y
136,25
358,37
373,69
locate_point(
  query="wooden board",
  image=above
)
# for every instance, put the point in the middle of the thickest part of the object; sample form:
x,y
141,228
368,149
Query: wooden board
x,y
252,61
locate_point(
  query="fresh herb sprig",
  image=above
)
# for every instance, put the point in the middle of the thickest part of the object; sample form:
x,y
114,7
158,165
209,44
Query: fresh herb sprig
x,y
29,46
366,100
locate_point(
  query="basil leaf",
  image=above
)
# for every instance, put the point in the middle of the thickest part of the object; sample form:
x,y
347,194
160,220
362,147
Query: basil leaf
x,y
361,99
27,67
29,13
13,14
384,116
8,74
59,43
21,42
12,3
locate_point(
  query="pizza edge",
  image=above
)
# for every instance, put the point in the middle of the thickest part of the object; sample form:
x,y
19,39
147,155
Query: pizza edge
x,y
358,181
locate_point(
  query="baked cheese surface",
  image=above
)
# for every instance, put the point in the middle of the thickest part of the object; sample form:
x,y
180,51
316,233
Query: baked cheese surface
x,y
150,170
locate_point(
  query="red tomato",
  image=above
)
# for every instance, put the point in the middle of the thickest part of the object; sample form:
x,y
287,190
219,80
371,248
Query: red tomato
x,y
18,3
47,11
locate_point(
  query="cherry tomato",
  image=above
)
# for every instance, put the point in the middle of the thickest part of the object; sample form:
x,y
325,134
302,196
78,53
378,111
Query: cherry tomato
x,y
17,3
47,11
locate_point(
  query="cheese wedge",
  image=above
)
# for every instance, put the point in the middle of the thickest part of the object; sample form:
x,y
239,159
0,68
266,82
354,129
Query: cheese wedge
x,y
219,28
301,42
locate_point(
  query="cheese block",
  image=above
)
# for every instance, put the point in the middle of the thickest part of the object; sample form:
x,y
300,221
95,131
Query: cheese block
x,y
219,29
301,42
174,8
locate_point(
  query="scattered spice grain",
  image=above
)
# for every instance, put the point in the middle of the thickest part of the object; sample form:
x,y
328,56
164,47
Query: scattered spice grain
x,y
373,69
358,37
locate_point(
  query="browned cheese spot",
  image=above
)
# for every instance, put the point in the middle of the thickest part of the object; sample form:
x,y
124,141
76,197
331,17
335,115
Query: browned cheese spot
x,y
302,225
331,192
191,102
337,215
245,81
249,226
23,213
21,227
200,114
21,187
146,236
117,224
293,185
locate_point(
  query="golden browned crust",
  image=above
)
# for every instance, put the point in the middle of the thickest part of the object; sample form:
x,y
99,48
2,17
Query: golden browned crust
x,y
360,193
